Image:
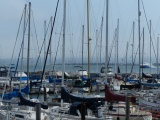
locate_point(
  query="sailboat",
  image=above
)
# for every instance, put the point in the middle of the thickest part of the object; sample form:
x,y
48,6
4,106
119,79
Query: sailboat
x,y
27,113
117,110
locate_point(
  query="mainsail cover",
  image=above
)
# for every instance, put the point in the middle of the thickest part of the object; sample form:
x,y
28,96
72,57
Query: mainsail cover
x,y
67,97
146,76
26,102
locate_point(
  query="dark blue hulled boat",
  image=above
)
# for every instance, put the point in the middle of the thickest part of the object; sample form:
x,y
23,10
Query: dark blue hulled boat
x,y
67,97
26,102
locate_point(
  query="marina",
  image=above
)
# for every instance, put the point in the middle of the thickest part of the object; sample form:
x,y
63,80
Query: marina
x,y
81,73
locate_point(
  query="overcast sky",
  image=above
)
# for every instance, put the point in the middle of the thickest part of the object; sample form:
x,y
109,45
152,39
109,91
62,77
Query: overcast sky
x,y
124,10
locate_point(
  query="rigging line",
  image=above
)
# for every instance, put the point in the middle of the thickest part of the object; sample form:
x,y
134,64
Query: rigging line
x,y
157,25
145,15
135,56
134,59
21,48
129,39
153,44
70,29
94,19
94,52
18,59
57,47
93,16
35,29
110,53
13,50
41,47
148,27
49,45
78,12
113,42
130,34
96,47
15,43
103,8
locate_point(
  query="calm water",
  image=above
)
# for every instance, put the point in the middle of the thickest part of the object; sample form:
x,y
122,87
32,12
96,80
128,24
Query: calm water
x,y
94,68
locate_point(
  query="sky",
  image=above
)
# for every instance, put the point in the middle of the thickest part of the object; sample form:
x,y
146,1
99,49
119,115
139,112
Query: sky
x,y
76,16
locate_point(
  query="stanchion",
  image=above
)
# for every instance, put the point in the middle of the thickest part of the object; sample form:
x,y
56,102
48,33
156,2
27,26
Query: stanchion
x,y
127,107
83,111
38,111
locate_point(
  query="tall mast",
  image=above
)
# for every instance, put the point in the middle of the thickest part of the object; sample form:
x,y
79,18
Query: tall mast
x,y
157,55
133,42
101,42
82,46
143,50
117,45
51,50
24,29
44,46
106,60
150,45
28,52
115,58
63,52
88,39
139,38
97,49
126,57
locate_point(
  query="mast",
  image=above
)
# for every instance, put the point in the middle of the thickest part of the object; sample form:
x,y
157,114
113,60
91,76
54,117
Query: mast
x,y
88,39
143,50
115,58
28,52
139,38
133,42
157,55
44,46
150,45
126,57
51,50
117,45
106,60
24,29
97,49
82,46
101,42
63,52
50,38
